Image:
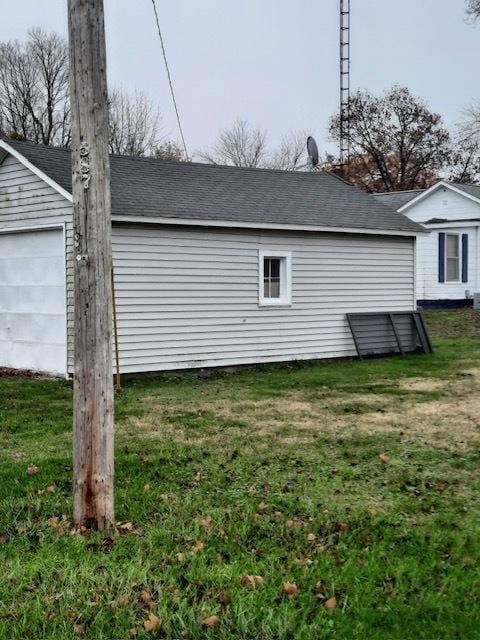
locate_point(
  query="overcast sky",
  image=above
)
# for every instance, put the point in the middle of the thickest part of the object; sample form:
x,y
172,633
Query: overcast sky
x,y
275,62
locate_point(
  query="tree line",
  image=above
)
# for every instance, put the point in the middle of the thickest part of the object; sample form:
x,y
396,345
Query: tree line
x,y
396,141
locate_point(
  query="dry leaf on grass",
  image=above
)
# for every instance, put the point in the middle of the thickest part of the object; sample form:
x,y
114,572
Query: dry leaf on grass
x,y
180,557
330,604
79,629
384,457
311,537
263,505
290,589
211,621
133,632
251,581
32,470
198,546
151,623
206,523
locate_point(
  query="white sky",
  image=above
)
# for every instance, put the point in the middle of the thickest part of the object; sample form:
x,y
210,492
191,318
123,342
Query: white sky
x,y
275,62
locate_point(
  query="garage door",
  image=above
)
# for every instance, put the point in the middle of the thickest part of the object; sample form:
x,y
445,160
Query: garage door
x,y
33,301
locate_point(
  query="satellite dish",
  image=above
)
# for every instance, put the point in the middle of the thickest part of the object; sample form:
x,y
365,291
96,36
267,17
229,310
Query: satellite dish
x,y
312,151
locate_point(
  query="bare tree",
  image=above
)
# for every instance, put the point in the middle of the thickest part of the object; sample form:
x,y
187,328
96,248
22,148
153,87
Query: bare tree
x,y
134,124
397,142
465,160
473,9
291,154
34,102
241,145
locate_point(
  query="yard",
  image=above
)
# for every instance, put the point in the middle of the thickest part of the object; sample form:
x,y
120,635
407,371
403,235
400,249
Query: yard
x,y
332,500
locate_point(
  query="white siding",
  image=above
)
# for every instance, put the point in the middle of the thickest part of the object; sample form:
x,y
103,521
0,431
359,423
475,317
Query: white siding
x,y
445,204
428,286
189,298
448,205
26,201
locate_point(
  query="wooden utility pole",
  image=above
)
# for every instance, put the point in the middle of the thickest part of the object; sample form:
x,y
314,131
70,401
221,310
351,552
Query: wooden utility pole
x,y
93,373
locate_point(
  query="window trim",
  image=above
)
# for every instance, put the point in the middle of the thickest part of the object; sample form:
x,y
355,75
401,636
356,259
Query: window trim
x,y
459,257
285,298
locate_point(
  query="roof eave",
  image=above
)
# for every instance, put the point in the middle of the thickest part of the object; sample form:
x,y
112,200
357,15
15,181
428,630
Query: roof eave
x,y
263,225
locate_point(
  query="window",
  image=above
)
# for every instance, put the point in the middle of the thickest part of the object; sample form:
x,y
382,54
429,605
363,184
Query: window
x,y
452,257
274,278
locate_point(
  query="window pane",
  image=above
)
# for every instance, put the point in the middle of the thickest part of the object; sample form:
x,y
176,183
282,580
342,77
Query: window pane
x,y
453,270
452,246
275,288
266,288
266,267
275,267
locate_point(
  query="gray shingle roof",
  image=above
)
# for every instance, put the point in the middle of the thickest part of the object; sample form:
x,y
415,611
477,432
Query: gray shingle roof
x,y
147,187
397,199
471,189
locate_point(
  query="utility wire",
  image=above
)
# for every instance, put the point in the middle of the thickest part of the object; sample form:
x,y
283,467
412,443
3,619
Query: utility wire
x,y
170,79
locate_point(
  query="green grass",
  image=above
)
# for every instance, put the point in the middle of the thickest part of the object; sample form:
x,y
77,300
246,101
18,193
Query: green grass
x,y
270,454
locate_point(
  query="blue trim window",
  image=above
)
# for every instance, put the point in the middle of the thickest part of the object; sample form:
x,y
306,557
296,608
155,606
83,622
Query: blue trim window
x,y
452,257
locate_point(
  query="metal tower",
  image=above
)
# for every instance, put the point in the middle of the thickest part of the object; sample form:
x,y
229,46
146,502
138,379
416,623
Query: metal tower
x,y
344,82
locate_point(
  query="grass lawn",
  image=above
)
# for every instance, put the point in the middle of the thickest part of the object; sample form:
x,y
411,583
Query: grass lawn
x,y
356,482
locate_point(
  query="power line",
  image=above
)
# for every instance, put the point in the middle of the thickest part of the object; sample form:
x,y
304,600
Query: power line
x,y
170,79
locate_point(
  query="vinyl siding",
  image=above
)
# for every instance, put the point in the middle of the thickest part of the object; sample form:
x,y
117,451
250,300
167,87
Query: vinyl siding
x,y
26,201
428,286
445,204
188,298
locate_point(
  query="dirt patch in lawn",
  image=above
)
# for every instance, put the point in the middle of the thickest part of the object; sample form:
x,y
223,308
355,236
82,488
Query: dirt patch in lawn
x,y
450,422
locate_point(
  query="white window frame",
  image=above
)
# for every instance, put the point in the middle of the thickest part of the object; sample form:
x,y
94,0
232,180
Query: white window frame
x,y
454,233
285,298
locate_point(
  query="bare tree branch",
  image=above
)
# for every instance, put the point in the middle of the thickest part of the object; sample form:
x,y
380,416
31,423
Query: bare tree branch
x,y
291,155
473,9
134,124
241,145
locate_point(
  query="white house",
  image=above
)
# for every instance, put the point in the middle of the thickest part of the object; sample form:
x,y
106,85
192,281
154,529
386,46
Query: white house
x,y
213,265
448,258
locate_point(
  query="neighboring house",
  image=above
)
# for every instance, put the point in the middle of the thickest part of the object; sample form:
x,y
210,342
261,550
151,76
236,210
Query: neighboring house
x,y
448,259
213,265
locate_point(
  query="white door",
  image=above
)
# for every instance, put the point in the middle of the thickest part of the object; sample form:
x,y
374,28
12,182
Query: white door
x,y
33,301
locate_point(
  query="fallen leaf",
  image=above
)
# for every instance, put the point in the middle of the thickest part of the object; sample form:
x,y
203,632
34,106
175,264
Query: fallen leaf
x,y
151,623
134,583
384,457
224,598
198,546
206,523
53,522
263,505
79,629
145,596
330,604
211,621
180,557
373,511
250,581
32,470
52,488
311,537
123,601
146,487
290,589
133,632
197,478
258,516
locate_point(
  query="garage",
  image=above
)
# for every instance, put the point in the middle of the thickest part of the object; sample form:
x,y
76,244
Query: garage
x,y
33,301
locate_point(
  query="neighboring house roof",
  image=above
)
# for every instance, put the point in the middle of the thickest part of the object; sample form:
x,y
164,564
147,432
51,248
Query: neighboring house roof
x,y
147,188
397,199
401,200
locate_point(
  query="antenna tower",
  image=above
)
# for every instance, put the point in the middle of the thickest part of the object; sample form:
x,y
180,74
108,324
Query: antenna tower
x,y
344,82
